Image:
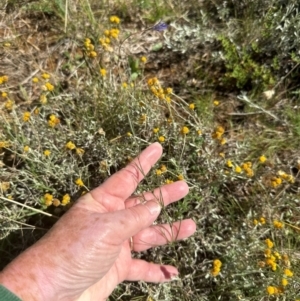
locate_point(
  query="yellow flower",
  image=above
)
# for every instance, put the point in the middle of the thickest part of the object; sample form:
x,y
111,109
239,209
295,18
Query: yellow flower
x,y
79,182
216,103
79,151
238,169
35,80
124,85
3,79
268,252
277,255
269,243
161,138
66,199
217,263
278,224
255,222
26,149
262,220
70,145
249,172
288,273
4,94
185,130
158,172
223,141
169,90
103,72
180,177
26,116
199,132
128,134
48,199
155,130
215,272
53,121
284,282
114,19
43,99
229,163
217,134
192,106
168,181
163,168
92,54
49,87
9,105
4,144
114,33
87,41
47,153
45,76
143,59
36,111
262,159
168,99
271,290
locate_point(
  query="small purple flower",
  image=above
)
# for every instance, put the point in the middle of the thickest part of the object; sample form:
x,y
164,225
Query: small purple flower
x,y
160,26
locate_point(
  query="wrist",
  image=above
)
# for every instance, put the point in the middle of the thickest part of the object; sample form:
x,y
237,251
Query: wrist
x,y
25,279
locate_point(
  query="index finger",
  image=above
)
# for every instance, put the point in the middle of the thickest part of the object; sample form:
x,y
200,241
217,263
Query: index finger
x,y
123,183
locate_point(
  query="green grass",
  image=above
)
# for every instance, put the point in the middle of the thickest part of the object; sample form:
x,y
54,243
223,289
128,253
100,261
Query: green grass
x,y
111,117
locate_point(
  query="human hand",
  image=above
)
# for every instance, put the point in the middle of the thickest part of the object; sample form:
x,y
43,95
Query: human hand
x,y
87,252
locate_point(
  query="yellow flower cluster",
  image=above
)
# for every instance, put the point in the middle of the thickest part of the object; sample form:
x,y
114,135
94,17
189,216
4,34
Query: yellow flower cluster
x,y
90,48
218,134
112,33
4,144
216,267
286,177
277,224
79,182
156,88
161,170
247,167
9,105
114,19
50,200
26,116
271,260
275,290
53,121
70,145
261,221
3,79
49,87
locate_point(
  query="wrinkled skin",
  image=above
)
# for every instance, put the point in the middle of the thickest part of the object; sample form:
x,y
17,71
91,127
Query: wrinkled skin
x,y
87,252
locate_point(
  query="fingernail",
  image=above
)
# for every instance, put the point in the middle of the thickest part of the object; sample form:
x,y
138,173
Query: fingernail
x,y
153,207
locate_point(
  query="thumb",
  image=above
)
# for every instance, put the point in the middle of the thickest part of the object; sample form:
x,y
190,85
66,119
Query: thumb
x,y
134,219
